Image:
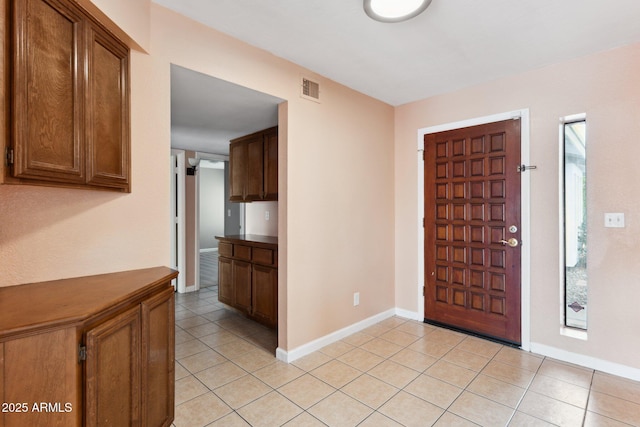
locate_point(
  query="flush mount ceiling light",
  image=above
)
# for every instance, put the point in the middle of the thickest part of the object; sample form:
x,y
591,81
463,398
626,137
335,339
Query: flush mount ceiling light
x,y
394,10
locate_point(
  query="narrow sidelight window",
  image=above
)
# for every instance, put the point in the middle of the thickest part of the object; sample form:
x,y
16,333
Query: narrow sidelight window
x,y
574,175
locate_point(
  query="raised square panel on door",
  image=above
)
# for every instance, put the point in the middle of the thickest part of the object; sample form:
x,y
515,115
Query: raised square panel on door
x,y
108,112
48,92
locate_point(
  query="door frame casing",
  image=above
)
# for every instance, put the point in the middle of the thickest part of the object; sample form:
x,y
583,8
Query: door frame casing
x,y
178,245
525,279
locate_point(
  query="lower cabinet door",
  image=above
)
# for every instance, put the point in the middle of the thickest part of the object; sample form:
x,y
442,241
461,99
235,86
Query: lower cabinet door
x,y
265,295
225,281
242,285
112,382
40,376
158,359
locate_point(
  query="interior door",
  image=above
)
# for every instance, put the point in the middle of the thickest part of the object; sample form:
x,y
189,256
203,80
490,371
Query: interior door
x,y
472,229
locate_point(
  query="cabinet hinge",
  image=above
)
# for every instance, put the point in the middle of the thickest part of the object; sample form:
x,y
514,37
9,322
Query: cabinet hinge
x,y
82,353
9,156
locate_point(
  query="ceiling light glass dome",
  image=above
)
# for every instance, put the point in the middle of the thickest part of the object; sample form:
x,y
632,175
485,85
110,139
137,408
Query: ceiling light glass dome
x,y
394,10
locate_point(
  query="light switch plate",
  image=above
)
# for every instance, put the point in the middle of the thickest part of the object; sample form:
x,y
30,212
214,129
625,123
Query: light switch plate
x,y
614,220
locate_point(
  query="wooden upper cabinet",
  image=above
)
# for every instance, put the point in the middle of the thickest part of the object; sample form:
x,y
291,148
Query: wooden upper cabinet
x,y
69,99
253,161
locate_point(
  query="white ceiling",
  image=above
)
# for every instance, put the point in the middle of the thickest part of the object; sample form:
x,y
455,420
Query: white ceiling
x,y
207,112
454,44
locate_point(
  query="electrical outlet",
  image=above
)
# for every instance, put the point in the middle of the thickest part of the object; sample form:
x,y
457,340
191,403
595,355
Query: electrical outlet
x,y
266,215
356,298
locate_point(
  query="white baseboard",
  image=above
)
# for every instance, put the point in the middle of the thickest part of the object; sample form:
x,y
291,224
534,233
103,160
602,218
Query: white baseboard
x,y
541,349
303,350
413,315
587,361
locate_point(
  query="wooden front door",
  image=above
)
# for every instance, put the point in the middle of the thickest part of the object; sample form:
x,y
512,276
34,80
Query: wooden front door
x,y
472,210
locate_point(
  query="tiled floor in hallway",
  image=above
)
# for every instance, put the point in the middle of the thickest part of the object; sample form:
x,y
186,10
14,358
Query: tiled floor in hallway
x,y
395,373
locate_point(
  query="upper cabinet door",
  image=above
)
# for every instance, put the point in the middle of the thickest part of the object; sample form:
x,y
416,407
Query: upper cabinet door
x,y
255,171
237,171
107,122
47,91
271,165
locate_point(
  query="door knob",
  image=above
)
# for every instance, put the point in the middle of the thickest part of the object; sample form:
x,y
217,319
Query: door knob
x,y
513,242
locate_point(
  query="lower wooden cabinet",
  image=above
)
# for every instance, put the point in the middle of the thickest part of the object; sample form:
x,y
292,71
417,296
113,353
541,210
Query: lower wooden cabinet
x,y
248,276
93,351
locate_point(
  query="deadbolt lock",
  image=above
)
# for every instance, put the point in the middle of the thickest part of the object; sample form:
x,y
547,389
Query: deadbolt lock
x,y
513,229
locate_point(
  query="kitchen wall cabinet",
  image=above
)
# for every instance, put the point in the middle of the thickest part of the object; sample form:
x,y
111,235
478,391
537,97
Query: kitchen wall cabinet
x,y
68,85
253,162
96,351
248,276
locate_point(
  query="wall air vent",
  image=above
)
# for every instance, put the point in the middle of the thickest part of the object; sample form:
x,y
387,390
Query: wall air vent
x,y
310,90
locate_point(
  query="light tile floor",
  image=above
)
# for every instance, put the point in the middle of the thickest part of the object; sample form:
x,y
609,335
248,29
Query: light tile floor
x,y
396,373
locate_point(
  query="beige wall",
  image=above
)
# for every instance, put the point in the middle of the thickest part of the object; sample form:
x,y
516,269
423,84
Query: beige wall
x,y
340,232
255,219
336,229
129,19
51,233
607,88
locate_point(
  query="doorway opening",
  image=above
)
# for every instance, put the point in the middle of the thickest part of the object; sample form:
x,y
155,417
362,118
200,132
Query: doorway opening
x,y
206,114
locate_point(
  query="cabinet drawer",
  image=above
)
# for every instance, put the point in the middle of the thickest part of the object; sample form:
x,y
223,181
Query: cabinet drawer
x,y
242,252
263,256
225,249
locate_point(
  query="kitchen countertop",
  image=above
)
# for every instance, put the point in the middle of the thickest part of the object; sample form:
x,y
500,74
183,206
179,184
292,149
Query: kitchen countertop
x,y
253,238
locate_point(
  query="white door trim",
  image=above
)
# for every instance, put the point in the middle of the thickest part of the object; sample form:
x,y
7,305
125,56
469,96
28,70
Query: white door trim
x,y
523,114
178,242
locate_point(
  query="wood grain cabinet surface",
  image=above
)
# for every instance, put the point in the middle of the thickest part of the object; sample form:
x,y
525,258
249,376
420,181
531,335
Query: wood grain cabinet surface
x,y
67,82
253,161
248,276
89,351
